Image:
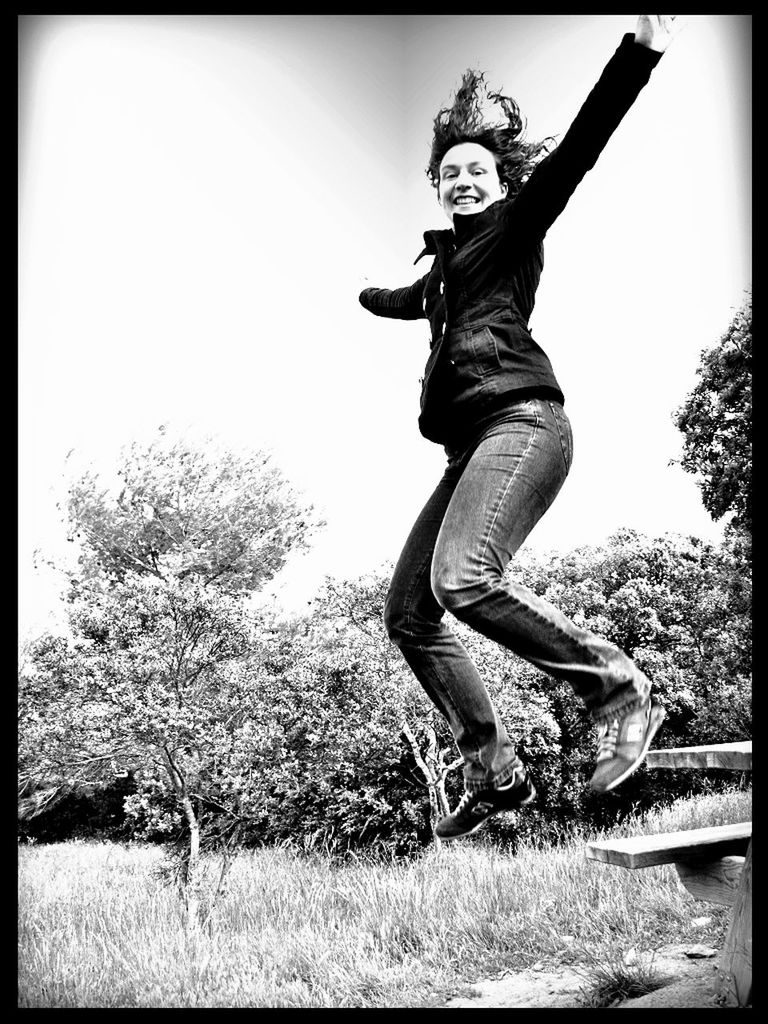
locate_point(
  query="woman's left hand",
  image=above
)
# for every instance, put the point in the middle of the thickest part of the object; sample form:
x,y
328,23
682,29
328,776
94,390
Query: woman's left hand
x,y
656,31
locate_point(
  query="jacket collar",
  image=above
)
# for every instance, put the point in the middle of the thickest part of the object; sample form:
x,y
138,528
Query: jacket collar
x,y
435,241
464,227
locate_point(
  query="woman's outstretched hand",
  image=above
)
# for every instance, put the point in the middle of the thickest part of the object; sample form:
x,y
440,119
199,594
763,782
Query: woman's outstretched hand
x,y
656,31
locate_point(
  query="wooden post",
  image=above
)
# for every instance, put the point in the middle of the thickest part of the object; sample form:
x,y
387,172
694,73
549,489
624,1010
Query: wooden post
x,y
735,975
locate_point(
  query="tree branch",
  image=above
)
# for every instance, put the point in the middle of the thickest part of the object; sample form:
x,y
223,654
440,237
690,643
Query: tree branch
x,y
429,775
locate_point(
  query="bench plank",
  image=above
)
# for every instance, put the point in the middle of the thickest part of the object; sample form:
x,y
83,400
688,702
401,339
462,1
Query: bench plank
x,y
736,756
672,847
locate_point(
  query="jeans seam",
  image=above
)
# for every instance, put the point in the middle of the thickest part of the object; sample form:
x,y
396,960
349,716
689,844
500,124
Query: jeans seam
x,y
407,604
444,692
509,483
563,446
541,618
419,645
596,660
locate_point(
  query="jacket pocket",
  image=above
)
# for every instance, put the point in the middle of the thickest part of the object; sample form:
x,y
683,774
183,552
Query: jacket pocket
x,y
484,349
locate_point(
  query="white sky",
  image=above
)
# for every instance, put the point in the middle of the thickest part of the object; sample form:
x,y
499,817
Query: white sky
x,y
203,197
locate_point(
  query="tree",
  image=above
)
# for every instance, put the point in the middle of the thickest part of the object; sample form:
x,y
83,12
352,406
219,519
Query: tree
x,y
188,511
157,676
152,683
716,419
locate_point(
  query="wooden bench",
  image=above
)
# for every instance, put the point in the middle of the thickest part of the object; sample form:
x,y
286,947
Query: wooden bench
x,y
713,864
708,860
733,756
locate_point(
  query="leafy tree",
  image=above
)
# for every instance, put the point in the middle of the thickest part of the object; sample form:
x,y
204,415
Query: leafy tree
x,y
188,511
157,676
152,683
716,419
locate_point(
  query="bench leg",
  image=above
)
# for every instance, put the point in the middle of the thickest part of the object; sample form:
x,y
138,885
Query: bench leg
x,y
735,981
714,880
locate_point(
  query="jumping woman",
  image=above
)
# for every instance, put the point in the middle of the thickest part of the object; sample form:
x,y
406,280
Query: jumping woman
x,y
490,398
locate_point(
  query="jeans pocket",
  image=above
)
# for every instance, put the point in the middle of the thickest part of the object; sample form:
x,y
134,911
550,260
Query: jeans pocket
x,y
565,433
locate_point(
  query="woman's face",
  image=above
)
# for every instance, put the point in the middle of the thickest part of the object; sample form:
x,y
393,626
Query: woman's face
x,y
469,180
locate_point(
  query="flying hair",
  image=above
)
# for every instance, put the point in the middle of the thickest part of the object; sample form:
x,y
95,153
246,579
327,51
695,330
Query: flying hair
x,y
492,120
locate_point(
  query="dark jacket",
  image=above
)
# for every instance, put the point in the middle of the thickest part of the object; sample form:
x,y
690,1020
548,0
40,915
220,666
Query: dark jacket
x,y
479,293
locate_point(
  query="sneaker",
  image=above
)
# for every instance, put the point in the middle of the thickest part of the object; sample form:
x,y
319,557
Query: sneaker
x,y
622,743
476,808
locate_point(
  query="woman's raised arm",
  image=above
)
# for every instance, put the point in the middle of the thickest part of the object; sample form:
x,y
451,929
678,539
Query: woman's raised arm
x,y
555,178
656,31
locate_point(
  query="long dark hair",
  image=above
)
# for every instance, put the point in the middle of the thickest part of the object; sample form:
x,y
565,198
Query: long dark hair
x,y
492,120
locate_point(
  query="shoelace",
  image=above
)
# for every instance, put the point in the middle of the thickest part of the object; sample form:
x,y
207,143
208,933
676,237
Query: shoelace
x,y
607,738
464,803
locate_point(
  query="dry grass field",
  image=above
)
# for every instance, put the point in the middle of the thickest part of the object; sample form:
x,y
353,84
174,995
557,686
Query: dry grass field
x,y
99,928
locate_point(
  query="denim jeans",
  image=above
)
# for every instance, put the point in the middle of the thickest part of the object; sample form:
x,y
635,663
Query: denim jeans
x,y
491,496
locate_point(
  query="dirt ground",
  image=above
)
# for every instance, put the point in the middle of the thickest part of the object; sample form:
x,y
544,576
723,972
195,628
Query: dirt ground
x,y
689,982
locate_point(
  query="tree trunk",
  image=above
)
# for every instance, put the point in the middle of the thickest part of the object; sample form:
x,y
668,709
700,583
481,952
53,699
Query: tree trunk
x,y
192,881
192,873
434,769
442,799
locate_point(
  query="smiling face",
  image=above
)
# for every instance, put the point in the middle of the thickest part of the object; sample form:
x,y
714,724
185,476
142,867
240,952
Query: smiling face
x,y
469,180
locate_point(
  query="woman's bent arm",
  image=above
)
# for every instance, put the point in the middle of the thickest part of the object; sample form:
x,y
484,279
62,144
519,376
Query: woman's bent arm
x,y
398,303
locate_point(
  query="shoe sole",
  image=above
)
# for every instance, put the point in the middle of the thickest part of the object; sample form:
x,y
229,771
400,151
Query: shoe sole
x,y
462,835
657,716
